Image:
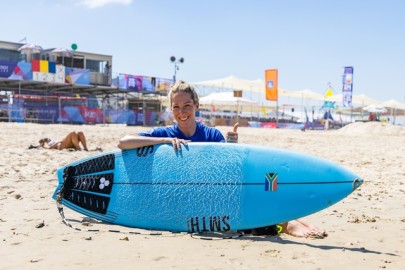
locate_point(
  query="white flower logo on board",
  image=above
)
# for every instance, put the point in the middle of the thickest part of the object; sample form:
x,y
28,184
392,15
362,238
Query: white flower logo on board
x,y
103,183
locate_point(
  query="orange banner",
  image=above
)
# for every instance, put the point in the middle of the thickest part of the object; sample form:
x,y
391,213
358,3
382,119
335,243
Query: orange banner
x,y
271,81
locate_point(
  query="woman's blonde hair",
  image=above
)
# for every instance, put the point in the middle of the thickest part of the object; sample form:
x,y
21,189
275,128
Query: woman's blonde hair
x,y
182,86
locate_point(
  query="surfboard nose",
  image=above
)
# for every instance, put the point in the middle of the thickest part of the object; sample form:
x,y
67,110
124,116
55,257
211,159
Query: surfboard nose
x,y
357,182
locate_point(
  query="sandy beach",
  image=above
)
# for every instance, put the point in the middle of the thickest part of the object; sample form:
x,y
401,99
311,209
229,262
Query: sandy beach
x,y
366,230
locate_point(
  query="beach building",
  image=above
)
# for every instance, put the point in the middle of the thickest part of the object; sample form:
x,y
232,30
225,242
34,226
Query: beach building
x,y
60,85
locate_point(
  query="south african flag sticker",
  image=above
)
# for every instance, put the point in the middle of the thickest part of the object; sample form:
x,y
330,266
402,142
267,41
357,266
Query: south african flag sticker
x,y
270,182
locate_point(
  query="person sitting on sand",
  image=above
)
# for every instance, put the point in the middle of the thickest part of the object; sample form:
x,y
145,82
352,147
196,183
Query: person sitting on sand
x,y
184,103
71,141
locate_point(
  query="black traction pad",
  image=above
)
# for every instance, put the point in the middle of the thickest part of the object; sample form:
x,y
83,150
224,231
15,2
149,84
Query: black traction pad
x,y
80,183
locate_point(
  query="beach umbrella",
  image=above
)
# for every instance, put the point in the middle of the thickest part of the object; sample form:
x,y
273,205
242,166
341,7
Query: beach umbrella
x,y
62,52
30,48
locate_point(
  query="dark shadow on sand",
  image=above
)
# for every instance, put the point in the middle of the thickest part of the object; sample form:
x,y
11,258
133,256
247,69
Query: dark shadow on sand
x,y
279,240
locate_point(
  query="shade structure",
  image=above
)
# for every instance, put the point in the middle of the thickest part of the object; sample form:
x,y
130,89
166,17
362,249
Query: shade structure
x,y
304,94
225,99
255,86
233,82
393,104
30,48
62,52
360,99
375,108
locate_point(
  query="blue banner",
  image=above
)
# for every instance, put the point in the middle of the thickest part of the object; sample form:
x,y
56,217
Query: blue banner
x,y
347,90
77,75
135,83
7,68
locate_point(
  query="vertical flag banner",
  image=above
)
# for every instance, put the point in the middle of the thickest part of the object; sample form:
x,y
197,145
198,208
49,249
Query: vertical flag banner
x,y
271,81
347,89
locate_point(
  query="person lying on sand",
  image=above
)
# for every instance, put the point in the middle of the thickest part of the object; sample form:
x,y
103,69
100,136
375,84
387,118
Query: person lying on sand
x,y
74,140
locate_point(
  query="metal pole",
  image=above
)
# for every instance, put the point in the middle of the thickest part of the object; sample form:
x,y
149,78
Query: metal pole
x,y
60,110
277,113
10,105
144,112
175,72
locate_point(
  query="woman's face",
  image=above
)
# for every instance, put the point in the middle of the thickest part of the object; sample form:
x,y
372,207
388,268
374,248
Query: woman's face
x,y
183,109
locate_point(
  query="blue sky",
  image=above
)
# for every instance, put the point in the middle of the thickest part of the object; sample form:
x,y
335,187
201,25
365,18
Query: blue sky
x,y
309,41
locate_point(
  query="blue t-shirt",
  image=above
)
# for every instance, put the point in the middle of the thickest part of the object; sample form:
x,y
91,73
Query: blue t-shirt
x,y
201,134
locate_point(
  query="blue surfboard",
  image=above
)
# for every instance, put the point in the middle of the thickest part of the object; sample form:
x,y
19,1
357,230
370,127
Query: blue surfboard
x,y
206,187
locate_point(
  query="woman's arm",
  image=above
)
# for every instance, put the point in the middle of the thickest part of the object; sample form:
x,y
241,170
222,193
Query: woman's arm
x,y
136,141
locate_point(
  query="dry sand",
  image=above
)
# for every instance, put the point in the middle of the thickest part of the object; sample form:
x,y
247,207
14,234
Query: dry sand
x,y
366,230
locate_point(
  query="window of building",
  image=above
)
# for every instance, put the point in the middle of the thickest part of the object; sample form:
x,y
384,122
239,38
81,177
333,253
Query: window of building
x,y
8,55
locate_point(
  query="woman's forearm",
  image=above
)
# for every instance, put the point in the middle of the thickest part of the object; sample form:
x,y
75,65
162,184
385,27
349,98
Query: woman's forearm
x,y
136,141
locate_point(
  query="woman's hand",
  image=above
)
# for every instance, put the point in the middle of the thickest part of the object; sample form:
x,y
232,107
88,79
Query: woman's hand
x,y
232,136
178,142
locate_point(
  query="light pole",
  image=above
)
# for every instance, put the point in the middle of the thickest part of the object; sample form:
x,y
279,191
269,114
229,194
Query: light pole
x,y
176,67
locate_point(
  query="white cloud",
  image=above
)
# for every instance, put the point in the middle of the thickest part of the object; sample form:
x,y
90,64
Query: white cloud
x,y
101,3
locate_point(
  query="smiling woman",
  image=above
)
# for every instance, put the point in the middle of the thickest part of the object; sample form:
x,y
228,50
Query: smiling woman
x,y
184,103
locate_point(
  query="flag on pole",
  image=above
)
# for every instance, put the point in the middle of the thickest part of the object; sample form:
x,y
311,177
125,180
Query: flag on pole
x,y
347,89
271,80
329,92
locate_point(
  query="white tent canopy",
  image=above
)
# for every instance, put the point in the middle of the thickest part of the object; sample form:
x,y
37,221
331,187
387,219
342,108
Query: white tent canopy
x,y
304,94
233,82
258,87
224,98
361,99
255,86
393,104
375,108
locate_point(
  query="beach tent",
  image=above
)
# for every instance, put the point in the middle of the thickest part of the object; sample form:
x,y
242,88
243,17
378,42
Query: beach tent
x,y
361,99
393,104
375,108
253,88
225,99
394,107
303,94
233,82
